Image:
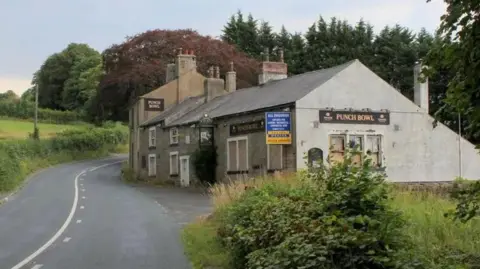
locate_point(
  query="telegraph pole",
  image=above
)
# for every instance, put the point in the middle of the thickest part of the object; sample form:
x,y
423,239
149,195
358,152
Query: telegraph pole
x,y
35,128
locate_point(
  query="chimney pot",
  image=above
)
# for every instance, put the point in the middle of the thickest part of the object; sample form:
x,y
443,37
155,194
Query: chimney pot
x,y
267,55
281,55
193,53
217,72
231,67
179,51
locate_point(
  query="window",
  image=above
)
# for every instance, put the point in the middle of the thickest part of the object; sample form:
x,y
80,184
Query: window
x,y
152,165
274,157
187,139
173,136
370,145
237,154
373,149
151,137
174,163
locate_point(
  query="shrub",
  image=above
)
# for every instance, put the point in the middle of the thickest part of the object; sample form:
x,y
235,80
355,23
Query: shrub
x,y
15,154
339,217
205,163
25,110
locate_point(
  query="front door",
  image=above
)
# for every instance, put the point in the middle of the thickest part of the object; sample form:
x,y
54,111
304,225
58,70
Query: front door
x,y
185,171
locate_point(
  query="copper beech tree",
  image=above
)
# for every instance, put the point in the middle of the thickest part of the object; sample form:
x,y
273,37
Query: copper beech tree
x,y
138,66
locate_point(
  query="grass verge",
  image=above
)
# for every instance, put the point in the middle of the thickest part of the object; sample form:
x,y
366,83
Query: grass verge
x,y
439,242
19,129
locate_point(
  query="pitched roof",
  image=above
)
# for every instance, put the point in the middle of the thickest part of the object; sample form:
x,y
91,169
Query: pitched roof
x,y
174,112
270,94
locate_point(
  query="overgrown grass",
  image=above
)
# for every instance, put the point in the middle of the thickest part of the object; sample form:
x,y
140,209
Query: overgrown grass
x,y
20,129
438,241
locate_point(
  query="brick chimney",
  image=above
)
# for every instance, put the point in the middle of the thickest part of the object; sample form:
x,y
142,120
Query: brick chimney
x,y
272,70
231,79
420,89
214,86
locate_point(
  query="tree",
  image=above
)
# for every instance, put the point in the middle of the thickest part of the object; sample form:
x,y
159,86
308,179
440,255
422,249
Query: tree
x,y
138,66
460,34
59,78
8,96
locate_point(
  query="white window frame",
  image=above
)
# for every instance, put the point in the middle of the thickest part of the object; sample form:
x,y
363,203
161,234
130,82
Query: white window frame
x,y
150,137
364,141
173,153
173,138
152,171
236,139
268,156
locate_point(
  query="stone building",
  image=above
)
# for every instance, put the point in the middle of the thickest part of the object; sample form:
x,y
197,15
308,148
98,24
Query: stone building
x,y
285,122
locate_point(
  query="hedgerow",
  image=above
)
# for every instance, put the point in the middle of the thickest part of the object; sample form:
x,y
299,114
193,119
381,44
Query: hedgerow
x,y
16,156
25,110
338,217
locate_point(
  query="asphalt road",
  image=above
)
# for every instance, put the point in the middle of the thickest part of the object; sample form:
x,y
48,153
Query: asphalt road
x,y
67,220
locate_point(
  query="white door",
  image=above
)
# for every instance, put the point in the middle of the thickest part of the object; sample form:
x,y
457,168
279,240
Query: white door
x,y
185,171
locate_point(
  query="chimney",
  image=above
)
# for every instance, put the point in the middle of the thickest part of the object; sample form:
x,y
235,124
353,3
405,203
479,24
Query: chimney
x,y
213,85
420,89
185,62
272,70
231,79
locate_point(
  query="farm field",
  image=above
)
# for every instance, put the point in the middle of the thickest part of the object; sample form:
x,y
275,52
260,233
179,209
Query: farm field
x,y
19,129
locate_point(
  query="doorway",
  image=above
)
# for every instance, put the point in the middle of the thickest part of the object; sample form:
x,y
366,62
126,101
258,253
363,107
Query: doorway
x,y
185,171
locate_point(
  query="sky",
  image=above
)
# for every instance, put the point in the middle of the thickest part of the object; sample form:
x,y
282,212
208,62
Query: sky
x,y
31,30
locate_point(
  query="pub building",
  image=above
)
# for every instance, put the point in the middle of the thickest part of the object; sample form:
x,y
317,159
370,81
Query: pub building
x,y
288,123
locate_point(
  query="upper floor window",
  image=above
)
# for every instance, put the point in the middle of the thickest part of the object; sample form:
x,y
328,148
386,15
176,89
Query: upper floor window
x,y
174,136
152,137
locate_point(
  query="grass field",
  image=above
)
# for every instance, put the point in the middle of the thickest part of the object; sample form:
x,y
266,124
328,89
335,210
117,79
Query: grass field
x,y
19,129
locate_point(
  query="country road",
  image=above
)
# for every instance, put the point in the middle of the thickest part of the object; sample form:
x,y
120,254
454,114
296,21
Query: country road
x,y
81,216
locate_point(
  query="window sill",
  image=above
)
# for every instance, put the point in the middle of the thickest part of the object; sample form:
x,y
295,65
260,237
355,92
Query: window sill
x,y
152,147
173,175
237,172
271,171
173,144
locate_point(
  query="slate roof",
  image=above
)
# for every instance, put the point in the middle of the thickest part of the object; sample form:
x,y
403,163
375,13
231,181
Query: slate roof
x,y
271,94
176,111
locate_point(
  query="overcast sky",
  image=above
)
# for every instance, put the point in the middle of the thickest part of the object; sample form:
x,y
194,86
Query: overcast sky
x,y
31,30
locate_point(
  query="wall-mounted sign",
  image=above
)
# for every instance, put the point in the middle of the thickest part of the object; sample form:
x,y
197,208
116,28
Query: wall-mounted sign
x,y
154,104
278,128
247,127
355,117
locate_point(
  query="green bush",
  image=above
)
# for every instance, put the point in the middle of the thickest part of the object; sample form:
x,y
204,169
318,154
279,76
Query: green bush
x,y
205,163
25,110
340,217
15,156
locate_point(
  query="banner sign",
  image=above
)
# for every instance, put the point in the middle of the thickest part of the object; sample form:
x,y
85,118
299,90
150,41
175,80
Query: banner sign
x,y
278,128
247,127
154,104
354,117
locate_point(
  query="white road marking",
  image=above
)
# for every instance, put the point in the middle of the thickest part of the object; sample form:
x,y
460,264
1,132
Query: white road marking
x,y
83,197
37,266
79,221
83,190
64,226
82,207
66,239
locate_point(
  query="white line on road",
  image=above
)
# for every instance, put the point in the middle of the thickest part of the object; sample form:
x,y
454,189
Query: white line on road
x,y
79,221
66,239
37,266
83,197
65,224
83,190
82,207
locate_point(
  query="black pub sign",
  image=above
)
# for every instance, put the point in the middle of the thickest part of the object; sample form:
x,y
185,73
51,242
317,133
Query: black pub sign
x,y
154,104
355,117
247,127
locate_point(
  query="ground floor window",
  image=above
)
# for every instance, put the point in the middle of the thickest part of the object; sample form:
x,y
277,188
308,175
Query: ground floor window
x,y
174,163
365,145
152,165
274,157
237,154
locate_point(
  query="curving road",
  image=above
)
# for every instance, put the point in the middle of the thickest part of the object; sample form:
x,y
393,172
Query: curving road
x,y
81,216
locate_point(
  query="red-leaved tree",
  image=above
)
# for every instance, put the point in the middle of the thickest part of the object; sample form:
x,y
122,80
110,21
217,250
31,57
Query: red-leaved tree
x,y
138,66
